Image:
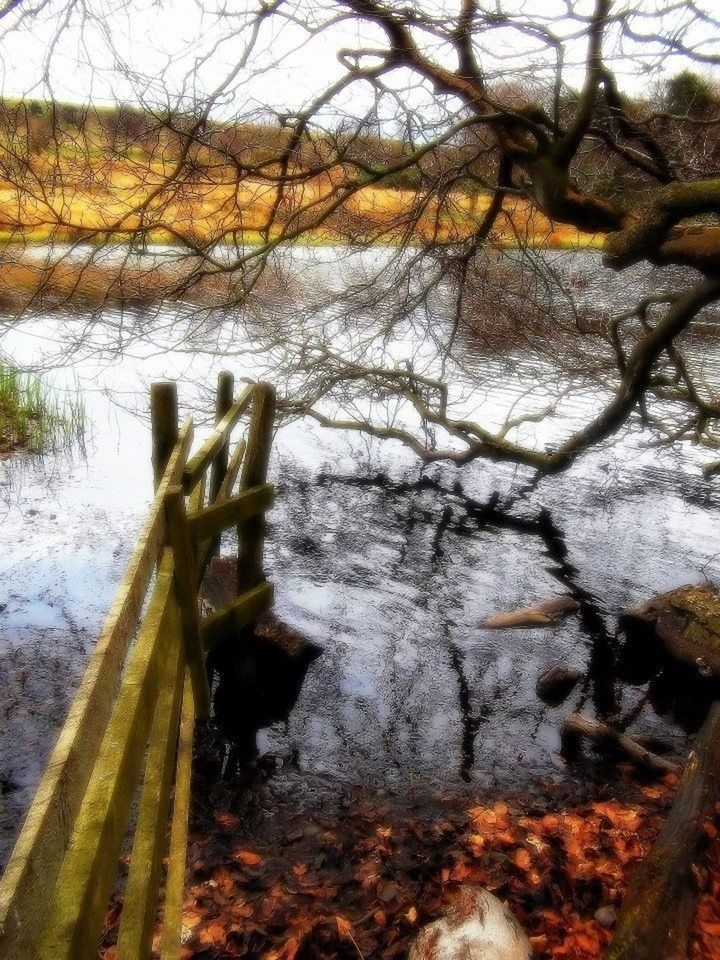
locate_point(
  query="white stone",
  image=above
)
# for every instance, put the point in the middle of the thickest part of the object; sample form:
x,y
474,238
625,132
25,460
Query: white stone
x,y
477,926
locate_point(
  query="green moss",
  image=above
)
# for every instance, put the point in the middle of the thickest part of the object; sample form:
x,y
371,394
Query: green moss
x,y
689,625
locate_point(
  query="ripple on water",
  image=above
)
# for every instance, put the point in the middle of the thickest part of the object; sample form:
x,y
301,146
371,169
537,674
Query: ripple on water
x,y
410,688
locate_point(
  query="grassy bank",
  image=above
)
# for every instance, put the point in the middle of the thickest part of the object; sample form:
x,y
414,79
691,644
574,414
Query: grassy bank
x,y
109,177
73,172
63,203
31,418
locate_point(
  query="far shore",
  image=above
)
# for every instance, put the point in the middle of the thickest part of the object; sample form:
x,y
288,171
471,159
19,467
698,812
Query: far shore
x,y
69,203
34,277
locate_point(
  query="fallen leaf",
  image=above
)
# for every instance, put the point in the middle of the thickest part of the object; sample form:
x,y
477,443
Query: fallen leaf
x,y
521,859
228,821
247,858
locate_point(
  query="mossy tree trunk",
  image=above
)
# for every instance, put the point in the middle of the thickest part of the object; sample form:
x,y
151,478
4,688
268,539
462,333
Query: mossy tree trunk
x,y
657,914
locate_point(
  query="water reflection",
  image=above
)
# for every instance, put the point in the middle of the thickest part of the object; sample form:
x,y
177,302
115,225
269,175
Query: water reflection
x,y
391,570
469,683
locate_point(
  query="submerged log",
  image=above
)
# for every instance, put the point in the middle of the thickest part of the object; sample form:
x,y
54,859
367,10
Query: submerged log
x,y
656,915
261,672
545,614
577,725
556,684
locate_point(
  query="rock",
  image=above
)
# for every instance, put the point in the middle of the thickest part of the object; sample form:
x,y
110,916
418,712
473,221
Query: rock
x,y
259,679
219,583
477,926
606,916
687,621
556,684
545,614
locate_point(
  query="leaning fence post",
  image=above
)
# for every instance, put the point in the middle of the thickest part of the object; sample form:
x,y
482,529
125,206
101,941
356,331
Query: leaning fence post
x,y
251,533
164,419
218,469
186,583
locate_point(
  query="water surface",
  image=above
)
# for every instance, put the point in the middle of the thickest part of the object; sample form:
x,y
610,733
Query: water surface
x,y
389,567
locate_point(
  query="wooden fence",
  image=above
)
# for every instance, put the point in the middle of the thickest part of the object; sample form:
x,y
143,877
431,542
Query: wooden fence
x,y
129,732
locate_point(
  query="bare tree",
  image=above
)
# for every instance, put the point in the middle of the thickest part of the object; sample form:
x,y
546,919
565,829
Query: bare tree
x,y
447,134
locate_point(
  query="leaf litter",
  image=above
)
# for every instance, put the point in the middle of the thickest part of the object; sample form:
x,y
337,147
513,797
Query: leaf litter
x,y
277,877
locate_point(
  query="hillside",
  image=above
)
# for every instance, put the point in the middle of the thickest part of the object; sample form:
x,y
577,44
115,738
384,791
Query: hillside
x,y
71,173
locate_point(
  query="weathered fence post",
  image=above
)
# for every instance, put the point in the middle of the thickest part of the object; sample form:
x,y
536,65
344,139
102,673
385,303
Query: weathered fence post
x,y
251,533
164,419
147,678
223,402
186,584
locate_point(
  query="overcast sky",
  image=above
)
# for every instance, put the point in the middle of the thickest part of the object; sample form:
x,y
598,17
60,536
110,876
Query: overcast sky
x,y
106,51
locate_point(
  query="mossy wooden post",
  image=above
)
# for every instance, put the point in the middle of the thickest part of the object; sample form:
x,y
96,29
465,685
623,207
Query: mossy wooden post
x,y
251,533
141,891
177,854
164,419
187,595
223,402
74,913
200,461
218,470
26,887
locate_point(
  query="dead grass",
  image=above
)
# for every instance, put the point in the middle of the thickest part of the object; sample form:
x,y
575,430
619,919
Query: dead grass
x,y
31,418
64,199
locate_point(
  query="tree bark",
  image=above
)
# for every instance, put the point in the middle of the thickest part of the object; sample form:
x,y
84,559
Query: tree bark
x,y
656,916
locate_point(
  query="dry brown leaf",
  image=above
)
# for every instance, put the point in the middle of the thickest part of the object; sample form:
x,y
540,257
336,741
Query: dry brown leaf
x,y
247,857
344,928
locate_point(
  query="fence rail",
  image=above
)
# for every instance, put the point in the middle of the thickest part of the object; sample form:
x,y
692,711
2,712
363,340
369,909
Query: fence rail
x,y
130,728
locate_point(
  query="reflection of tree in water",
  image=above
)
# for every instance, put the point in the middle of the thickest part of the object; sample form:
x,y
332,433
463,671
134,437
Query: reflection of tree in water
x,y
469,720
600,684
407,688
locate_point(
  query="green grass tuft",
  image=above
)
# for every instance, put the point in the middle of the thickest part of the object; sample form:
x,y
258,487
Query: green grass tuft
x,y
31,418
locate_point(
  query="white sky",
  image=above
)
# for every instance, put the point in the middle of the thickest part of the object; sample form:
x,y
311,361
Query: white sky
x,y
155,50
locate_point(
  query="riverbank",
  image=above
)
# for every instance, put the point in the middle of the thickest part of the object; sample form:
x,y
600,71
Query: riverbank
x,y
345,871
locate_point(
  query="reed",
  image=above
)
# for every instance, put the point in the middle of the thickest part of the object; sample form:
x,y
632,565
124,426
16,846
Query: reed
x,y
35,419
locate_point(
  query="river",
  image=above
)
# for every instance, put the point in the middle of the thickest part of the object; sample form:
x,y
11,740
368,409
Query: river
x,y
374,559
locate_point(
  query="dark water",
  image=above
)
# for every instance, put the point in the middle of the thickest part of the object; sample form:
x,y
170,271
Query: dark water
x,y
390,568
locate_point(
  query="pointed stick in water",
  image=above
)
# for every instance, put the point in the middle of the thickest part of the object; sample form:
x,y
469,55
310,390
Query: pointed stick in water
x,y
223,402
251,533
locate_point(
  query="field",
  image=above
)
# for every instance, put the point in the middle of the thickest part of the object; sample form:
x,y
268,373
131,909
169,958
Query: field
x,y
127,199
113,176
